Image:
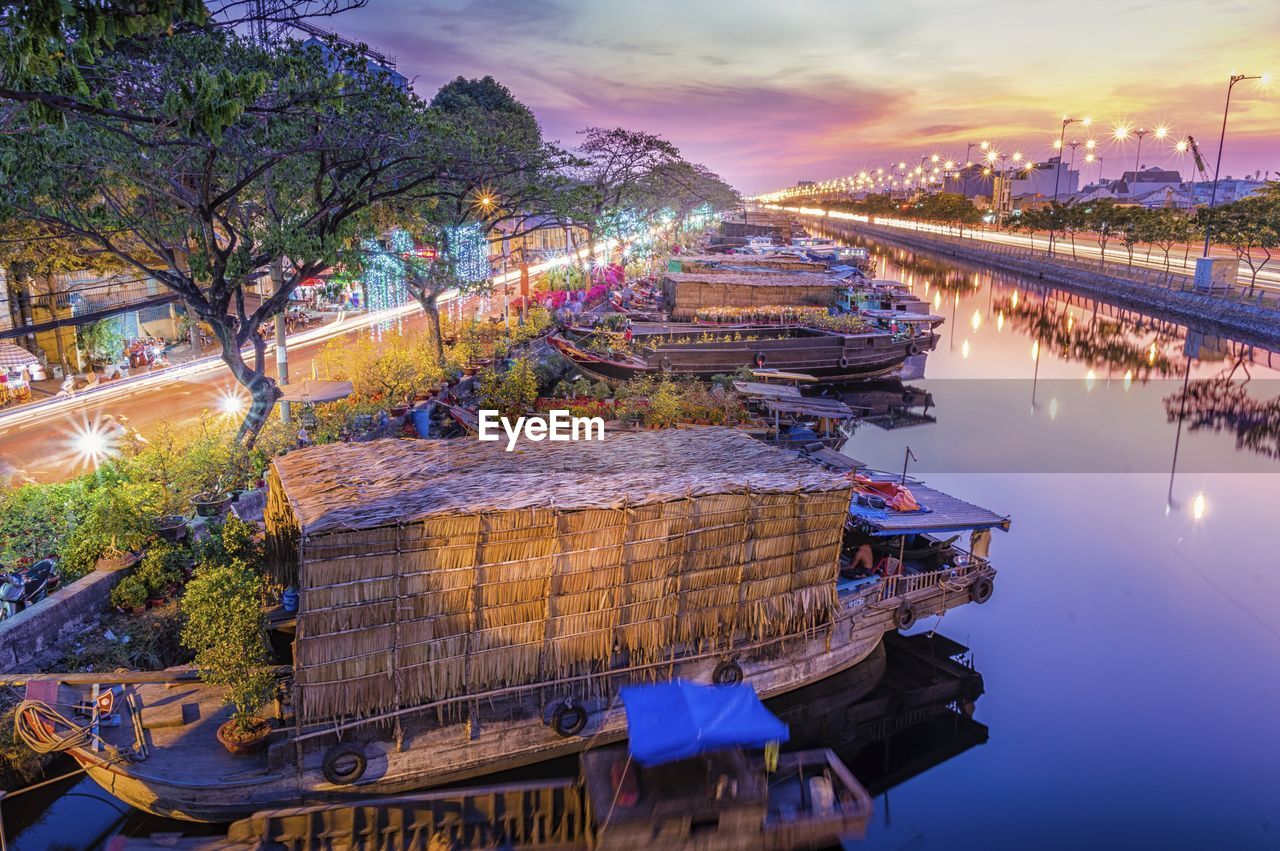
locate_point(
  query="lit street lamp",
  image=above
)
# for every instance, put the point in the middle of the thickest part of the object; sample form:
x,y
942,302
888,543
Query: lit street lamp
x,y
1222,138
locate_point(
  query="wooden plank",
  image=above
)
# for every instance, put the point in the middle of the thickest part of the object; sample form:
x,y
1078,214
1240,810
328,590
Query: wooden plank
x,y
176,675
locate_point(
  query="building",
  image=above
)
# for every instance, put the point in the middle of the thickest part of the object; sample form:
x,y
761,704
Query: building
x,y
536,238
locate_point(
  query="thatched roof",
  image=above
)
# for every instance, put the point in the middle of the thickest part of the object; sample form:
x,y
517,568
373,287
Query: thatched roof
x,y
385,482
754,279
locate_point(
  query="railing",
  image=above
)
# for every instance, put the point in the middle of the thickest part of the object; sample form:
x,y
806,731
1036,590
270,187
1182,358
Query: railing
x,y
909,583
1151,276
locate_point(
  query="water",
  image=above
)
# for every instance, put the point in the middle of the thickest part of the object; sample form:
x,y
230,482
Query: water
x,y
1131,653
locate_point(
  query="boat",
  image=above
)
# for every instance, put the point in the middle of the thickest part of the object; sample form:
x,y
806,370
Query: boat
x,y
693,351
692,776
464,610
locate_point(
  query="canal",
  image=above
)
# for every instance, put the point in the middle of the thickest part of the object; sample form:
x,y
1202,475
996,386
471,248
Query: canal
x,y
1131,650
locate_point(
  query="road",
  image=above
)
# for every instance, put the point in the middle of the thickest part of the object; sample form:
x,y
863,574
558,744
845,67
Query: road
x,y
46,444
1182,258
45,441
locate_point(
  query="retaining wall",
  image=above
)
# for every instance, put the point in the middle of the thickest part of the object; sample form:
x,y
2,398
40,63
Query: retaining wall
x,y
1161,294
64,612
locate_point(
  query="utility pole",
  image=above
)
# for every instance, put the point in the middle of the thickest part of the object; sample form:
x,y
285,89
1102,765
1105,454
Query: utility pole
x,y
282,349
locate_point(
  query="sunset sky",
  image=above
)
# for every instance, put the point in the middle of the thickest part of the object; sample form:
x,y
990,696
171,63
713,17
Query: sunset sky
x,y
767,93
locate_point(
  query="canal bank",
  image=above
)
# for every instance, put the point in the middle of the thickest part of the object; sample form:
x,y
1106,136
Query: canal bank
x,y
1165,295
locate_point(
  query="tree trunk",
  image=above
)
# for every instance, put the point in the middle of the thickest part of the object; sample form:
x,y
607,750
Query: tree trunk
x,y
50,284
427,299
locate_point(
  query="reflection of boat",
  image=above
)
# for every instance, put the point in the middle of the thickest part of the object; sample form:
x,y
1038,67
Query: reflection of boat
x,y
889,403
423,658
917,715
693,351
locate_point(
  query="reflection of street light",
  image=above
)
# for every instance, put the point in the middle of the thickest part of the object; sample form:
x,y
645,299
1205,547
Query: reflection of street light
x,y
1197,507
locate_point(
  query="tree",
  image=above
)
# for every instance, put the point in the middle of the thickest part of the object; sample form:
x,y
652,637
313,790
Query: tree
x,y
1250,227
495,167
1105,219
218,157
612,169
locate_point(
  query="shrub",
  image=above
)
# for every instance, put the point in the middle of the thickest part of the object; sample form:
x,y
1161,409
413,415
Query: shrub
x,y
118,517
233,541
131,593
226,629
161,567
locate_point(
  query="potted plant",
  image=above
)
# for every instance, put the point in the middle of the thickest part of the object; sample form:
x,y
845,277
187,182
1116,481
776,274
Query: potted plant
x,y
226,627
211,503
161,570
171,527
130,595
118,519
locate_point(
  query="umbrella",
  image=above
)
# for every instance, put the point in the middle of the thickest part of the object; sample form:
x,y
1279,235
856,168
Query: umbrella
x,y
313,390
15,356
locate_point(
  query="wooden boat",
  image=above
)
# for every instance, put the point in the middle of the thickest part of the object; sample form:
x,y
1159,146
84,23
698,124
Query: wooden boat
x,y
692,351
465,610
714,796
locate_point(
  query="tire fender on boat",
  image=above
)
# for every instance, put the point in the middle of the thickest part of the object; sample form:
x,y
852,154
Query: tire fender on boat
x,y
569,719
335,770
981,589
665,364
727,673
904,617
914,348
760,359
844,361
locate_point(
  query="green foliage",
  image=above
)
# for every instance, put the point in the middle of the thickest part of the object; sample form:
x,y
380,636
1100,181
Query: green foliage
x,y
130,593
226,629
600,391
36,519
512,391
233,541
161,567
102,340
117,517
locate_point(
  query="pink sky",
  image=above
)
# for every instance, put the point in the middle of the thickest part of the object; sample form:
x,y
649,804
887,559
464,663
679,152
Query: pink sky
x,y
768,93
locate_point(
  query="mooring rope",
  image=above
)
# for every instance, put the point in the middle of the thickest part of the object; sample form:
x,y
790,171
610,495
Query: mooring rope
x,y
32,721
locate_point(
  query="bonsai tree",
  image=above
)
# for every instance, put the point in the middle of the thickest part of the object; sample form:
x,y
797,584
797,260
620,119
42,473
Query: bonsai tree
x,y
130,594
118,518
226,628
161,567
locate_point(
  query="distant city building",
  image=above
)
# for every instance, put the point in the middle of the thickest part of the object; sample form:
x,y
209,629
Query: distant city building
x,y
376,63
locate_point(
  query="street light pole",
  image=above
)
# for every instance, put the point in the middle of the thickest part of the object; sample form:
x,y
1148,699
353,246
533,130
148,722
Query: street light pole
x,y
1057,172
1137,163
1217,167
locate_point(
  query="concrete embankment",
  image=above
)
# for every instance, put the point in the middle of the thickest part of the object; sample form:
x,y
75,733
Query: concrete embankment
x,y
1153,292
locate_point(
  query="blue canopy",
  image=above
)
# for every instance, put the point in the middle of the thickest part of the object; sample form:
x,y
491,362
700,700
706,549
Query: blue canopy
x,y
677,720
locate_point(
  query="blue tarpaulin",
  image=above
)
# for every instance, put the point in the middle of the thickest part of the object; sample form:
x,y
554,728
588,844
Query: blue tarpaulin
x,y
677,720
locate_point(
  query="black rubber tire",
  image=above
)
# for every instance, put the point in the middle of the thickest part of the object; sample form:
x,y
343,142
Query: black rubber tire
x,y
727,673
844,362
665,364
569,719
981,590
904,617
339,754
760,360
913,349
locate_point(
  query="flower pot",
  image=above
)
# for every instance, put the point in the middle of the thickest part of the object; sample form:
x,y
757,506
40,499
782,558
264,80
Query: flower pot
x,y
398,411
211,505
171,527
155,602
469,371
117,562
138,610
240,744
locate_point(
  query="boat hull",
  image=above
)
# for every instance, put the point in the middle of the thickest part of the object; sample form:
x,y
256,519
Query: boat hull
x,y
496,737
832,358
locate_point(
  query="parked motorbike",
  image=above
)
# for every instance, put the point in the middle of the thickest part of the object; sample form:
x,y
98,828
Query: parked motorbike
x,y
27,586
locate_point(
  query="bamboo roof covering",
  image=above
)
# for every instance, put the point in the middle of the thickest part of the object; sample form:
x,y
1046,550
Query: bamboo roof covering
x,y
341,487
433,569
